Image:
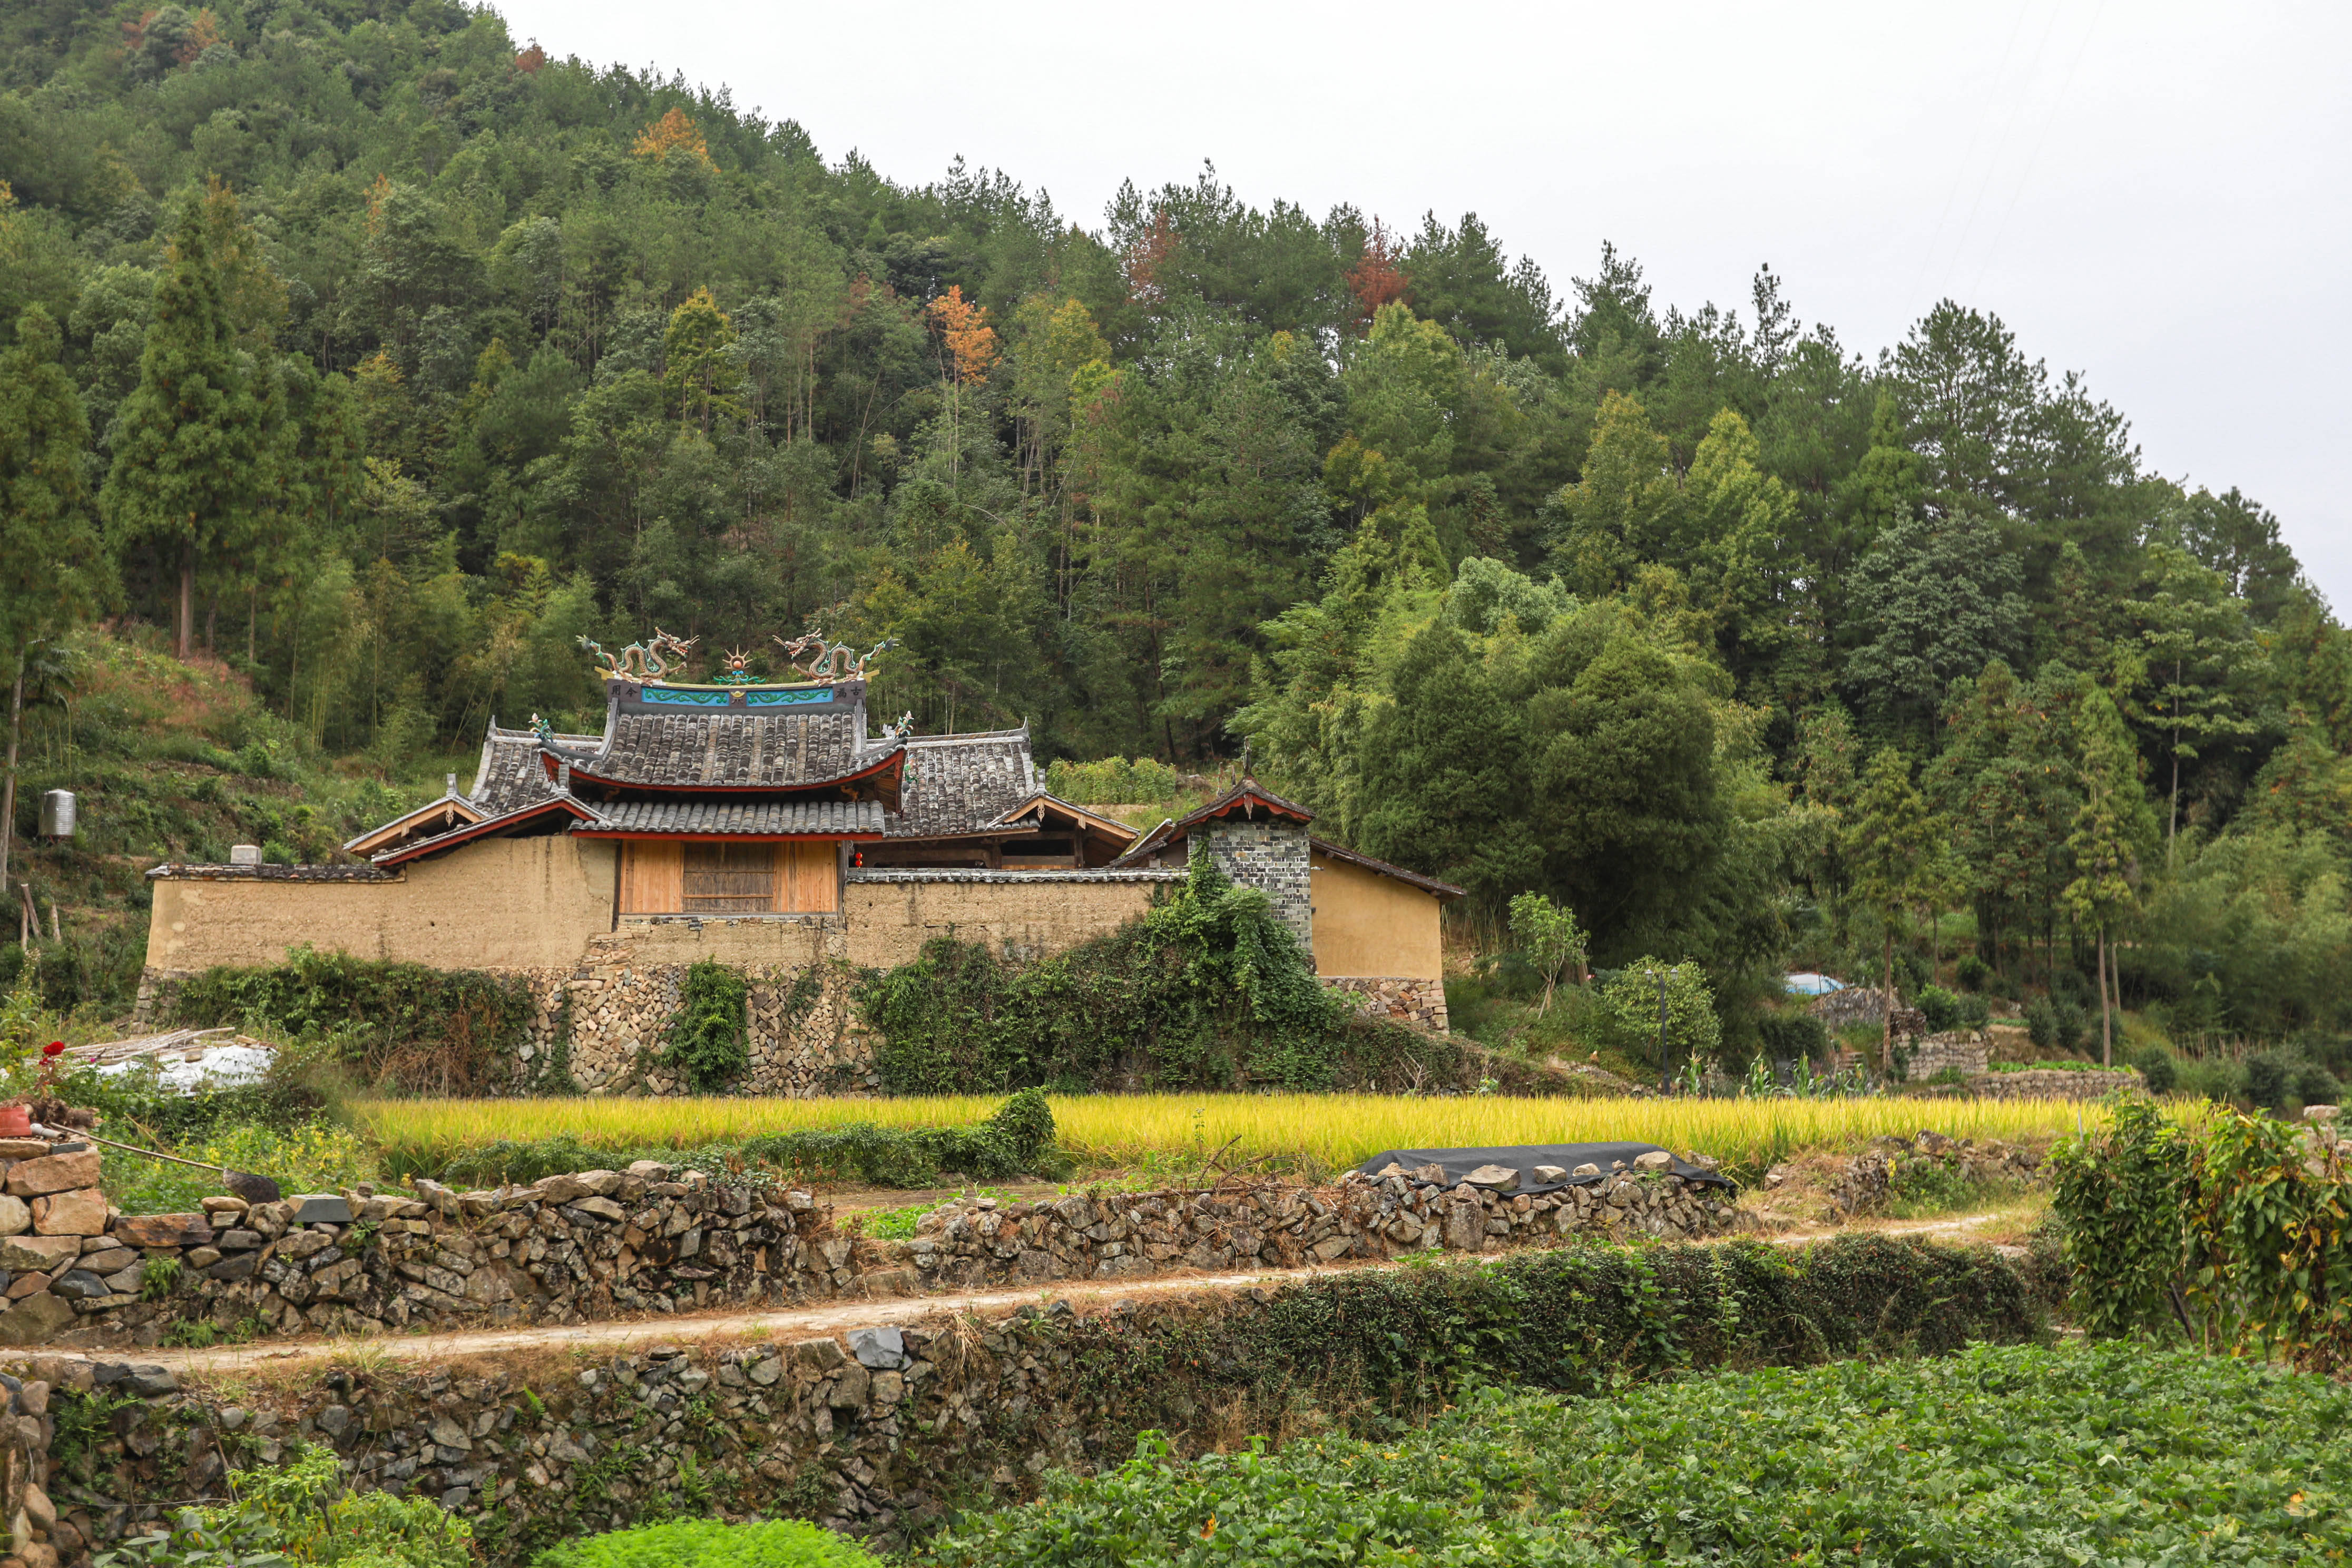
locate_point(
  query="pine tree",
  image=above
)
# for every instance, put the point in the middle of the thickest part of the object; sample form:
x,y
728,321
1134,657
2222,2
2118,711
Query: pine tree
x,y
1887,844
52,571
189,460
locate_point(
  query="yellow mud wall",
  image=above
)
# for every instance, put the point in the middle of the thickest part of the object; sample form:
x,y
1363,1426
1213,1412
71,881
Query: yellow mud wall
x,y
497,903
889,922
1367,924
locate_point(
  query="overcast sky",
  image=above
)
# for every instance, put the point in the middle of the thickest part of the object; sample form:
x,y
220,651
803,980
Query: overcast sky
x,y
2152,192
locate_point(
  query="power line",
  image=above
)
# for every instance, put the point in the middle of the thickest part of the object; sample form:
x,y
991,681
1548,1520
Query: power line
x,y
1960,172
2034,157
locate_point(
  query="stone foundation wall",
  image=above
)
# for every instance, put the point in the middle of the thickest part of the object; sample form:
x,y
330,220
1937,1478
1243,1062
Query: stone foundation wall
x,y
1420,1003
608,1015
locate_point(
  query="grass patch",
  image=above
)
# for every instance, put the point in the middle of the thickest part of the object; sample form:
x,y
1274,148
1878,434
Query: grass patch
x,y
1309,1133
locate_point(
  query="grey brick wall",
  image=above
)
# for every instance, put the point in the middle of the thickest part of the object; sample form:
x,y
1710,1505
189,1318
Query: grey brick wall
x,y
1272,855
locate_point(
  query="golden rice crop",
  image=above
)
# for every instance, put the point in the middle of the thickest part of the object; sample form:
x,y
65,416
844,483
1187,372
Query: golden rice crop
x,y
1315,1131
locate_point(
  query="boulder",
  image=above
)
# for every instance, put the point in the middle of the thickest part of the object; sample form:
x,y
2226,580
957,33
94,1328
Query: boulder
x,y
1492,1177
16,1216
1655,1160
317,1208
1548,1175
884,1350
80,1212
53,1173
35,1319
1587,1169
166,1229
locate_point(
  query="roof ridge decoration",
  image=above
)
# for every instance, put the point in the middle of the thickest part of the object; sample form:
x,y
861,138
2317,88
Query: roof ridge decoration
x,y
827,660
641,661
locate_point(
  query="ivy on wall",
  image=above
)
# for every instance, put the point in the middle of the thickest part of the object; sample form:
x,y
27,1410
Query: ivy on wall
x,y
709,1037
1206,989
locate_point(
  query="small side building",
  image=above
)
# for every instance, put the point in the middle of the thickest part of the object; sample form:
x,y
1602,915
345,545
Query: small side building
x,y
1372,926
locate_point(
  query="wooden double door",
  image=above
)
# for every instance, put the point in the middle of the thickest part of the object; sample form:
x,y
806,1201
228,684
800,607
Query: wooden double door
x,y
674,877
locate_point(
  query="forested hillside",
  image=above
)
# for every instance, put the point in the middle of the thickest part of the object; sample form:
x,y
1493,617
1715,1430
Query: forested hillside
x,y
381,357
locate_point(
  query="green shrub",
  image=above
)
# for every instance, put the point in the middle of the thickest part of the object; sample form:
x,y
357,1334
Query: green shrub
x,y
1018,1140
708,1543
450,1030
2156,1065
1786,1037
303,1513
2212,1077
2268,1078
1972,971
1114,781
709,1037
2315,1085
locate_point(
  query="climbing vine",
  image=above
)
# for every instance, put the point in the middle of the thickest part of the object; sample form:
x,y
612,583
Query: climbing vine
x,y
709,1037
1208,990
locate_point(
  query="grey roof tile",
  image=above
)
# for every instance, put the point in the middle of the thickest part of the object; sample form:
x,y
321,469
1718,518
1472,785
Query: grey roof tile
x,y
786,750
737,816
960,783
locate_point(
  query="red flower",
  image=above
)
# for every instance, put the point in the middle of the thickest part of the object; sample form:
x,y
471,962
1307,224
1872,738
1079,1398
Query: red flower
x,y
53,1047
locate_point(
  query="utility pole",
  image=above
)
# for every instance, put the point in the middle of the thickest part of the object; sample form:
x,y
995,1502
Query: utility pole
x,y
1665,1069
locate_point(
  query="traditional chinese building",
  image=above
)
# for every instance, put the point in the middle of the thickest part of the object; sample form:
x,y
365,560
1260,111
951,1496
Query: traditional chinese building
x,y
774,826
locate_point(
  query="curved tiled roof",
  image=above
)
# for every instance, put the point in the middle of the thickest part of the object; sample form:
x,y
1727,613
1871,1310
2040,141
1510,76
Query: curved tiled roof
x,y
827,818
512,775
961,784
727,749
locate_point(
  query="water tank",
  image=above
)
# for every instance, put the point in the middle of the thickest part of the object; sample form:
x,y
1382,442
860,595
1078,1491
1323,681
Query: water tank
x,y
244,854
57,813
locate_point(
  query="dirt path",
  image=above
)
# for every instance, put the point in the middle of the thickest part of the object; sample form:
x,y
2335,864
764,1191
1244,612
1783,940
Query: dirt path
x,y
803,1322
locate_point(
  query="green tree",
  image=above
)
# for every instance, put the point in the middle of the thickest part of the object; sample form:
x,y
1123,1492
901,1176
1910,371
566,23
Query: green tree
x,y
1624,510
52,570
1934,601
2110,825
1886,845
1549,940
190,458
1441,781
1692,1031
2194,671
699,375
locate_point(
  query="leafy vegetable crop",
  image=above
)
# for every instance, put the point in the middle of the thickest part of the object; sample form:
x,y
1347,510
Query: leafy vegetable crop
x,y
2106,1452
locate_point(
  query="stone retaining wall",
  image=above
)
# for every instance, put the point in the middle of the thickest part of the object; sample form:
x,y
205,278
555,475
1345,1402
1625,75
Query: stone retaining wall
x,y
1420,1003
602,1244
2055,1083
1961,1050
1125,1236
607,1015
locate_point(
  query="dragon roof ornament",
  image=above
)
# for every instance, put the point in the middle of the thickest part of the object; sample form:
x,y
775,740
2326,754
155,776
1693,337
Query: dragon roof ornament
x,y
830,660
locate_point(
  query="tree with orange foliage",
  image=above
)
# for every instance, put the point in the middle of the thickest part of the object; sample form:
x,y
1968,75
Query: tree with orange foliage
x,y
964,328
970,344
532,61
1147,256
673,135
1377,280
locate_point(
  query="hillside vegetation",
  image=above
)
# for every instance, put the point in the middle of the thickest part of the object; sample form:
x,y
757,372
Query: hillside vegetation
x,y
381,356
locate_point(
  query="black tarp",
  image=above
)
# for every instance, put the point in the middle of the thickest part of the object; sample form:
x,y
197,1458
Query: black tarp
x,y
1458,1163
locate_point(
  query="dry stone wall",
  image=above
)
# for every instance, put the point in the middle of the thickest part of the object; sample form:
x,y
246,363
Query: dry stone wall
x,y
1420,1003
2056,1083
977,1242
604,1020
648,1240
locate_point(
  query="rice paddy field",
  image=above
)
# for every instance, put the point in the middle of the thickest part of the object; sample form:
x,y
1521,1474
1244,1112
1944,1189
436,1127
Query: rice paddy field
x,y
1311,1133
